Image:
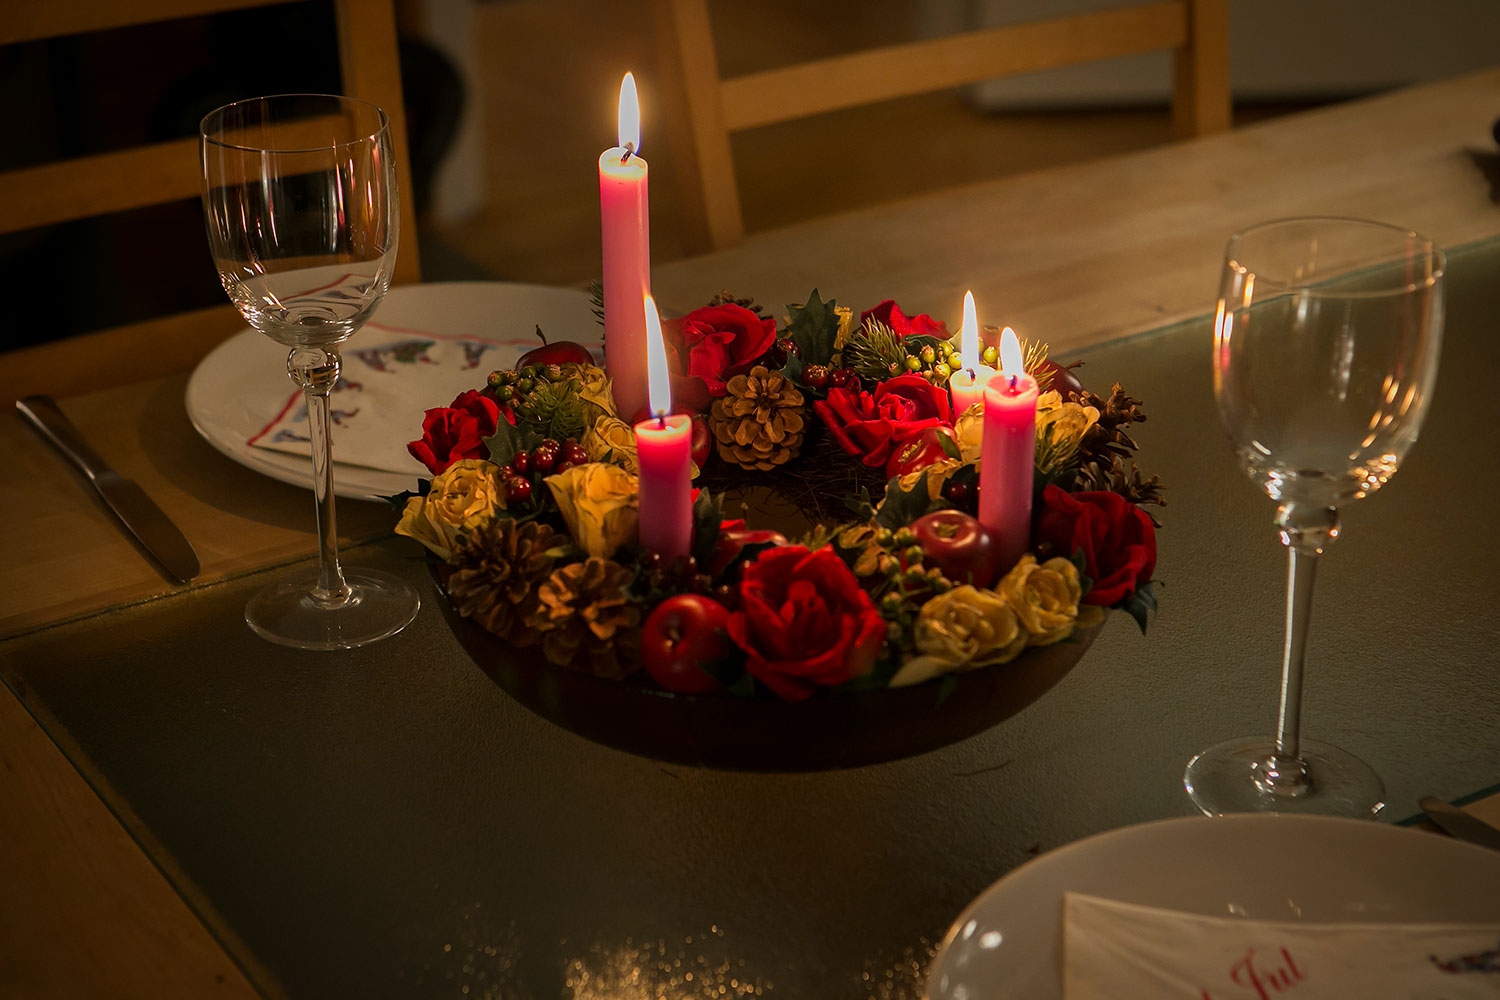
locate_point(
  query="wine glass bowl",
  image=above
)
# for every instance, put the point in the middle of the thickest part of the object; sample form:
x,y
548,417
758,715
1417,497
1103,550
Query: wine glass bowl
x,y
1326,342
300,205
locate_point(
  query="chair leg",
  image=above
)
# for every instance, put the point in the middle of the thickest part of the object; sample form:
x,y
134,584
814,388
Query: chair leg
x,y
1200,91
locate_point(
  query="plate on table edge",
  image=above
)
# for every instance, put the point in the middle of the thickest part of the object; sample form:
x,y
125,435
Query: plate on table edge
x,y
825,732
1261,867
242,384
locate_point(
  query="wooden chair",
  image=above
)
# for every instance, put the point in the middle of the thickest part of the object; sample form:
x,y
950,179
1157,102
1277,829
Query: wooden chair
x,y
706,109
167,172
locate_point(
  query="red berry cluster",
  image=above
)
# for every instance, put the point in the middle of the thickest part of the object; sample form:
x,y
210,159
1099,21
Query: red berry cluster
x,y
824,377
547,458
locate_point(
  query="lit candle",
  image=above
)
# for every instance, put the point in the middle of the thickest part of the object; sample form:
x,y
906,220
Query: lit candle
x,y
664,449
626,222
1008,453
967,384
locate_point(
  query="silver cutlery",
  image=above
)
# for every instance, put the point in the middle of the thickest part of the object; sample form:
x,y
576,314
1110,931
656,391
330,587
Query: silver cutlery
x,y
1457,823
142,519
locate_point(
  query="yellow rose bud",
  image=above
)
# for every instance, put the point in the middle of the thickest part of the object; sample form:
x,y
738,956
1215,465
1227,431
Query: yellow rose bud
x,y
962,629
1044,596
598,502
610,439
463,496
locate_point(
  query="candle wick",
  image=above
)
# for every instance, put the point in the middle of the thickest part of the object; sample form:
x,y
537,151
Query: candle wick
x,y
661,420
1013,383
973,375
629,150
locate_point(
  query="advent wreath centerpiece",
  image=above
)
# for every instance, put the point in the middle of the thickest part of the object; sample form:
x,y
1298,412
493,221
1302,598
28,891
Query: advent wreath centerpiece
x,y
873,618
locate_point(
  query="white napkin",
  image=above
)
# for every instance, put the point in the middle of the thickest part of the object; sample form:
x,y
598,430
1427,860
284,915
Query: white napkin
x,y
1114,950
386,382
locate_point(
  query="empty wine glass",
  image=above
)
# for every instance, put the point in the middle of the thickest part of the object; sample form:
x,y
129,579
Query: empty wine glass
x,y
299,197
1326,345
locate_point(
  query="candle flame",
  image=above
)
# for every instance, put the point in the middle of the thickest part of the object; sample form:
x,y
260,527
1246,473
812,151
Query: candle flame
x,y
1012,362
630,115
968,352
658,379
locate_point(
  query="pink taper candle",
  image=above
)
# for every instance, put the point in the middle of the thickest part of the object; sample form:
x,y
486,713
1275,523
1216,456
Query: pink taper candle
x,y
967,384
664,451
626,220
1008,453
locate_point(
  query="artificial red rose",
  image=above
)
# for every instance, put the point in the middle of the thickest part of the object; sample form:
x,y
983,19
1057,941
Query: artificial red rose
x,y
1116,538
709,346
452,433
903,325
872,425
804,622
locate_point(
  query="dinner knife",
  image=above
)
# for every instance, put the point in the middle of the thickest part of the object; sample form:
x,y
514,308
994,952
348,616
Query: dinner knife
x,y
144,521
1457,823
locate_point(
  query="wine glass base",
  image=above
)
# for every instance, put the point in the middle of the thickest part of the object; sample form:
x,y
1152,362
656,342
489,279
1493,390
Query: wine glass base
x,y
287,613
1231,778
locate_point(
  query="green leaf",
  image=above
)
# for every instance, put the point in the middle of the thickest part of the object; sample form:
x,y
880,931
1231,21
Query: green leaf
x,y
505,443
860,504
1140,604
814,328
708,515
744,687
946,688
950,446
902,507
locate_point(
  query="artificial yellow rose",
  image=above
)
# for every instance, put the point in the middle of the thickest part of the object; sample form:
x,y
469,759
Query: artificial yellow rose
x,y
598,503
610,439
1044,597
938,474
968,431
1064,424
594,388
463,496
961,629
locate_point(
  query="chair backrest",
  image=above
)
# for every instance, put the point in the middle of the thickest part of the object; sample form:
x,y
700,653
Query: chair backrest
x,y
705,109
165,172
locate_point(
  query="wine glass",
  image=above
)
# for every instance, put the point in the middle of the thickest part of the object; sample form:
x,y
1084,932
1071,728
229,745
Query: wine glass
x,y
299,197
1326,344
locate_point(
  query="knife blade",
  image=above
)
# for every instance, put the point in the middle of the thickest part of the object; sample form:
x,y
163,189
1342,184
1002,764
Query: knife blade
x,y
1457,823
141,517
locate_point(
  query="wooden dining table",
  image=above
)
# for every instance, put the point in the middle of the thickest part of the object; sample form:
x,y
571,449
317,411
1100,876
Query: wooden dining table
x,y
187,811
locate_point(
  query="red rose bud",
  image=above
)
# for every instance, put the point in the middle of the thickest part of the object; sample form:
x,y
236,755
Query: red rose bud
x,y
1117,539
453,433
709,346
873,425
902,325
804,622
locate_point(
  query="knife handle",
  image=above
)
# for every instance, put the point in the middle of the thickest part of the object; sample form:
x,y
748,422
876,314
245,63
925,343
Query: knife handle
x,y
44,414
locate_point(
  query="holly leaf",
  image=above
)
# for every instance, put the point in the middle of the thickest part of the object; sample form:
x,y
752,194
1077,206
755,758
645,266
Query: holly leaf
x,y
1141,604
505,443
814,329
946,688
902,507
708,516
950,447
860,504
398,500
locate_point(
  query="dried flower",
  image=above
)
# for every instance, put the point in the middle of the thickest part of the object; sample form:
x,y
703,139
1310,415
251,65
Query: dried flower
x,y
1044,597
610,439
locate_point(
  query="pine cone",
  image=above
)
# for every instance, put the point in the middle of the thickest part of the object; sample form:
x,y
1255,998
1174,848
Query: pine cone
x,y
1111,474
500,567
759,424
586,620
1107,439
727,296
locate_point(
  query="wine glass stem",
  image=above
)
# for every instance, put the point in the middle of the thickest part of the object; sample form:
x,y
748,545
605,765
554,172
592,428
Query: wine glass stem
x,y
1305,530
316,369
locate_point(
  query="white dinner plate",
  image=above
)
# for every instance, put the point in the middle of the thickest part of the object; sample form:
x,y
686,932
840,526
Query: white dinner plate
x,y
242,385
1285,868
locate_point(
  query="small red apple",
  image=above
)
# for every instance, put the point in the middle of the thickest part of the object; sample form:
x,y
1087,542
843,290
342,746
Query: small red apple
x,y
959,545
681,637
558,352
703,440
1064,382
